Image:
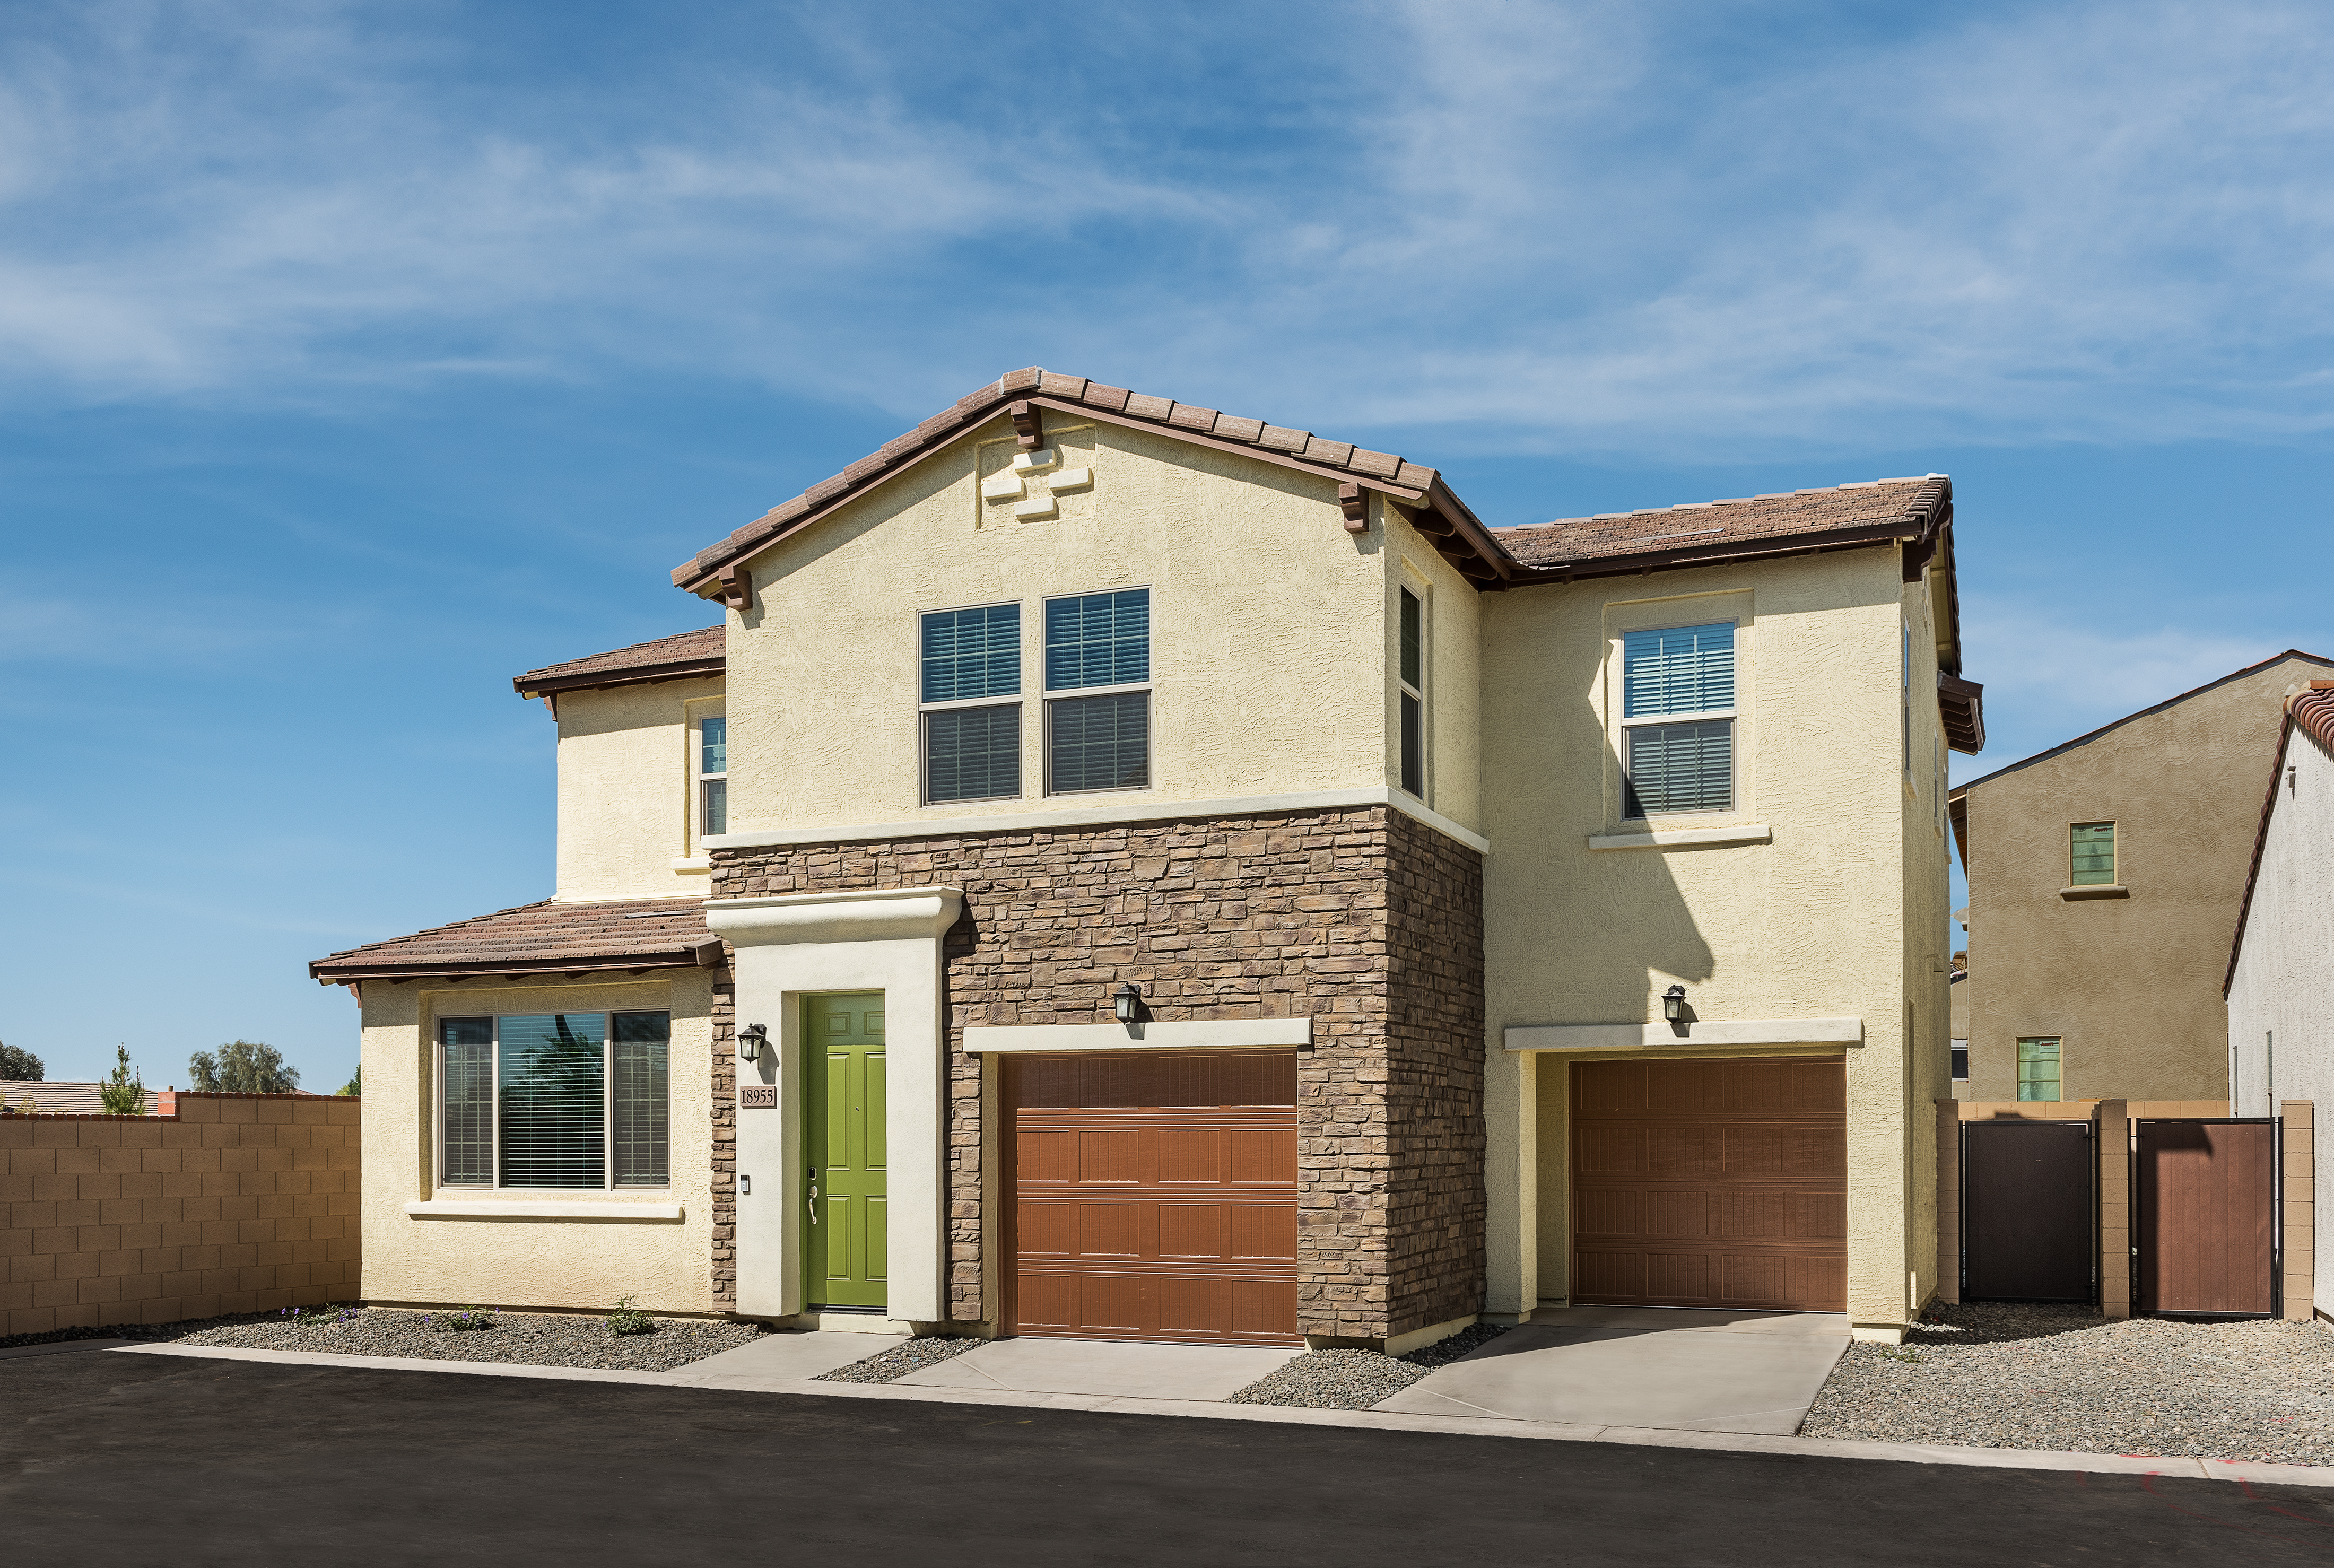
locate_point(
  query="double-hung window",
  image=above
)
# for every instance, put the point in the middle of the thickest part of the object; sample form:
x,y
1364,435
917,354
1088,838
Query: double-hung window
x,y
1677,719
553,1099
1414,695
972,742
713,774
1098,645
2091,855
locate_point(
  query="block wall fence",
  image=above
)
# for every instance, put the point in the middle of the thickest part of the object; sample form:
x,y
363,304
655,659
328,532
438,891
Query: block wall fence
x,y
228,1202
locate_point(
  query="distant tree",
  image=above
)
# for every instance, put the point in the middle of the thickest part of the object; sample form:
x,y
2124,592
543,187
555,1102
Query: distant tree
x,y
242,1067
356,1085
124,1092
17,1063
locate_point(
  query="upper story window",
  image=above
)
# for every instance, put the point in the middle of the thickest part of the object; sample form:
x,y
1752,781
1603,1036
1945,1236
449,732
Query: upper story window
x,y
1677,719
971,742
1413,694
2091,855
553,1099
713,774
2039,1069
1099,646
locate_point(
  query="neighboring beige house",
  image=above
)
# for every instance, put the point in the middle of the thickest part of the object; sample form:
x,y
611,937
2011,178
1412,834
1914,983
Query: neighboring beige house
x,y
2104,877
1122,870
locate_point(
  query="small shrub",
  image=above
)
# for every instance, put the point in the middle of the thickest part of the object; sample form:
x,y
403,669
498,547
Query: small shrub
x,y
123,1093
318,1316
1909,1356
628,1318
462,1322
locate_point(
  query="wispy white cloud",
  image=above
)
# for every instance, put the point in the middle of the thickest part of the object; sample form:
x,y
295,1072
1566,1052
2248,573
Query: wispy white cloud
x,y
1543,225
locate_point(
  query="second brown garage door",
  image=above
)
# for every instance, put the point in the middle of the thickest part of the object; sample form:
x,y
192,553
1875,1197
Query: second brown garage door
x,y
1710,1184
1152,1196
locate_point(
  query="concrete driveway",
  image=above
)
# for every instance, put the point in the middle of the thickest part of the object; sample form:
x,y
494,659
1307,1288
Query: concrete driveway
x,y
1700,1372
1110,1369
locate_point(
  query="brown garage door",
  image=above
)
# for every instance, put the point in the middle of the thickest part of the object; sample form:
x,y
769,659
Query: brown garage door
x,y
1153,1197
1715,1184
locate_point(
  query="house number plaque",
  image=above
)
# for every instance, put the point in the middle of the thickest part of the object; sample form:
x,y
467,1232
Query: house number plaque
x,y
758,1097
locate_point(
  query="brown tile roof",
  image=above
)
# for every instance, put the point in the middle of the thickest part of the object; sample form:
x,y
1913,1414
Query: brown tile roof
x,y
700,652
1715,530
539,938
2312,711
58,1098
1466,542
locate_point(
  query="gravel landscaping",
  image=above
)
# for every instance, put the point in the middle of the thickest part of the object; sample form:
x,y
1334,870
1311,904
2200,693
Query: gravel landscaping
x,y
537,1339
905,1357
1351,1380
2044,1377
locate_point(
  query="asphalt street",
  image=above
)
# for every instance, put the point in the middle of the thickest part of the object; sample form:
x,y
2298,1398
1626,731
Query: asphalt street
x,y
161,1460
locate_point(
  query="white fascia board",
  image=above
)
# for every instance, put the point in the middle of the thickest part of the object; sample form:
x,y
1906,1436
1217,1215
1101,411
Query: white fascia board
x,y
1141,810
1672,1036
485,1208
1684,838
1199,1034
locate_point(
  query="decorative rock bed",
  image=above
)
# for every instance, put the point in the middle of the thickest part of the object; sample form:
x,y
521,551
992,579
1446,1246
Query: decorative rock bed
x,y
903,1357
536,1339
2063,1378
1355,1380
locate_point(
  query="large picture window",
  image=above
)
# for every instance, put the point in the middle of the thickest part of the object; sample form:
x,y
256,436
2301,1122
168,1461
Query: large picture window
x,y
555,1100
1099,646
1677,719
972,742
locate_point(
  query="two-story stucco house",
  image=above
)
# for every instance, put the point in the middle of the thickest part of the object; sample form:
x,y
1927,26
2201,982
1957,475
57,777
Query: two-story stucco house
x,y
1124,870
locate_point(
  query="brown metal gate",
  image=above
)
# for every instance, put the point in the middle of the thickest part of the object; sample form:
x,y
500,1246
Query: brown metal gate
x,y
2205,1217
2028,1198
1153,1197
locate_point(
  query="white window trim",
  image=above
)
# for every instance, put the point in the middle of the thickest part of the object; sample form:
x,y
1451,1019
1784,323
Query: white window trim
x,y
701,778
1736,807
547,1195
1048,696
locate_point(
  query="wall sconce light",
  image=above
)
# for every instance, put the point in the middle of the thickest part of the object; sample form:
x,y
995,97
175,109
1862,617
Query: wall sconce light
x,y
751,1040
1129,1002
1674,1004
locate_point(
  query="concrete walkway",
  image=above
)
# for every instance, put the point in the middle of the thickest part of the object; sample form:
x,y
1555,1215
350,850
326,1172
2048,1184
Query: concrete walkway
x,y
1107,1368
1673,1370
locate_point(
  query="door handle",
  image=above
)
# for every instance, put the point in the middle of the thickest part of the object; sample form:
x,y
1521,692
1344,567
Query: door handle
x,y
814,1195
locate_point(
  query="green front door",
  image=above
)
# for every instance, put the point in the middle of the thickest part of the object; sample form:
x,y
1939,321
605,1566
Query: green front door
x,y
843,1119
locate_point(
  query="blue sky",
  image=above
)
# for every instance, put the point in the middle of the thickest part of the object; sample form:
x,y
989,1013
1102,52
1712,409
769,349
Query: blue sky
x,y
354,359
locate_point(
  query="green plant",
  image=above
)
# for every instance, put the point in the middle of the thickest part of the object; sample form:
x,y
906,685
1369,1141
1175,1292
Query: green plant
x,y
1904,1353
20,1064
24,1107
242,1067
470,1322
628,1318
318,1316
356,1085
124,1092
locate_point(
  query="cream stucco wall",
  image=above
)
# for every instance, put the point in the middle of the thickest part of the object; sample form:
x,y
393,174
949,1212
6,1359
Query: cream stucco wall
x,y
1271,652
530,1261
1811,924
626,789
2284,978
2130,986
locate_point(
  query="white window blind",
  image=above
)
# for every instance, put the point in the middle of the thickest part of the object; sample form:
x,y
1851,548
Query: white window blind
x,y
555,1100
1677,707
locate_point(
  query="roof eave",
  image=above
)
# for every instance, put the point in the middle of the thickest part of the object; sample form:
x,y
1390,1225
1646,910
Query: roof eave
x,y
637,674
704,955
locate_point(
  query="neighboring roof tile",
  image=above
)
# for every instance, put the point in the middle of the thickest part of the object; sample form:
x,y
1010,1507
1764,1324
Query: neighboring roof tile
x,y
1336,458
537,938
2313,712
705,646
1720,525
55,1098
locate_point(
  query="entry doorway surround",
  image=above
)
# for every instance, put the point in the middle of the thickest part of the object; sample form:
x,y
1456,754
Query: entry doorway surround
x,y
796,946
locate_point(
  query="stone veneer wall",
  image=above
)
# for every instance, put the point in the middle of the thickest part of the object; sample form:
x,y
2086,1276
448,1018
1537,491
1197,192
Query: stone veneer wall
x,y
1363,919
724,1196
